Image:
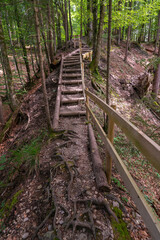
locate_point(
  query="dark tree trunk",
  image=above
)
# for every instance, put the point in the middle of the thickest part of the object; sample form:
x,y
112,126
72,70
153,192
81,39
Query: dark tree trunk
x,y
156,80
81,19
54,31
66,22
127,44
6,64
108,51
50,37
22,42
44,38
94,64
94,10
149,30
58,29
158,32
1,112
42,67
89,22
140,38
70,19
119,36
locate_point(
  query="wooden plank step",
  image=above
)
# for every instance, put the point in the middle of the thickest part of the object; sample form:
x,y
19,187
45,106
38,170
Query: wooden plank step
x,y
71,75
70,91
72,100
71,64
72,113
72,60
71,70
71,82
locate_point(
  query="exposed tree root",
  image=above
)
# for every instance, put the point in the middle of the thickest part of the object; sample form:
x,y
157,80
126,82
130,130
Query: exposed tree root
x,y
112,197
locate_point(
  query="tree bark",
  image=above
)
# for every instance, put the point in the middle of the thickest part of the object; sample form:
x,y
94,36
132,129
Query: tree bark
x,y
94,11
158,32
94,64
1,112
108,50
81,18
89,22
50,37
42,67
54,31
70,19
119,36
127,44
66,22
149,30
22,42
58,29
156,80
6,64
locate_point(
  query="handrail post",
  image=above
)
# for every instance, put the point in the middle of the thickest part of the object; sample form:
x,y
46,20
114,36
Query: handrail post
x,y
87,102
111,138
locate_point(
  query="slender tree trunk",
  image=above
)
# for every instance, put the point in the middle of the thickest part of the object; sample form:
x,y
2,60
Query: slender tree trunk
x,y
156,80
44,38
70,19
89,22
54,31
12,48
141,34
6,64
158,32
108,50
22,42
127,44
42,67
81,19
66,21
119,36
94,64
1,112
94,10
149,30
50,37
58,29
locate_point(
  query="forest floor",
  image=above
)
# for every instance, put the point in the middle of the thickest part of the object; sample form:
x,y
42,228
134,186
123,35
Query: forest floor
x,y
35,177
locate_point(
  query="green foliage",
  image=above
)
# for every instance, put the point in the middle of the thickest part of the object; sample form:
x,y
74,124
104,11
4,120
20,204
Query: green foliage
x,y
118,183
154,62
120,229
7,207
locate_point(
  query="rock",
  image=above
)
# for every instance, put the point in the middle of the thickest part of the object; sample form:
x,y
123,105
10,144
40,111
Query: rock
x,y
50,228
26,219
82,236
25,235
115,204
50,235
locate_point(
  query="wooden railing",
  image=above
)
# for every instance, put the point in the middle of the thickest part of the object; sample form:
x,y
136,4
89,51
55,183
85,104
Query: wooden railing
x,y
147,147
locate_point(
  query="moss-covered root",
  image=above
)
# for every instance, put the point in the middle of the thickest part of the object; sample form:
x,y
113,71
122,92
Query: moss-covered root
x,y
119,229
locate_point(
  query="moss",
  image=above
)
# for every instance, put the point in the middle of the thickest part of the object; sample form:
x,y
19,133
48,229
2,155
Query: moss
x,y
6,208
120,229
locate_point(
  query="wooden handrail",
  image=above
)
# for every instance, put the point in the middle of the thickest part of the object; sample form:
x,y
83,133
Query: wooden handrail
x,y
145,210
146,145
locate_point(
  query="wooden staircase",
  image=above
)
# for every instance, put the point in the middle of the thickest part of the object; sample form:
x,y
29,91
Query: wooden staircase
x,y
70,94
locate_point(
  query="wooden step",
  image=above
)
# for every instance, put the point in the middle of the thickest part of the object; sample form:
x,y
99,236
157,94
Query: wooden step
x,y
72,113
71,64
71,100
72,91
71,82
71,75
71,70
72,61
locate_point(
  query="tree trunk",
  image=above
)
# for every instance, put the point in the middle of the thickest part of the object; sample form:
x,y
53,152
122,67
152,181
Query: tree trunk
x,y
81,18
158,32
50,37
58,29
94,64
94,11
127,44
89,22
141,34
108,50
66,22
6,64
44,38
119,36
42,67
149,30
22,42
1,112
70,19
156,80
54,31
